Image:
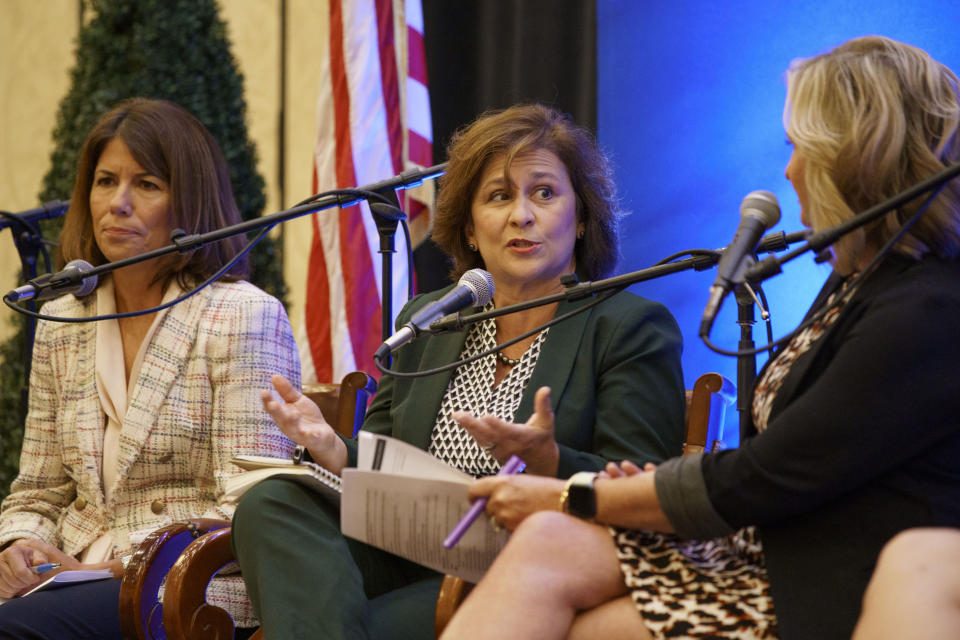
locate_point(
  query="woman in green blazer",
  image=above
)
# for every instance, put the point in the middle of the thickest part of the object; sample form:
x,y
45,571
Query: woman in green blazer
x,y
527,196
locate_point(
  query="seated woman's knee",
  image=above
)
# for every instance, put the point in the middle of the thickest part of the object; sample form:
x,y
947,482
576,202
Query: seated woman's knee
x,y
553,533
912,550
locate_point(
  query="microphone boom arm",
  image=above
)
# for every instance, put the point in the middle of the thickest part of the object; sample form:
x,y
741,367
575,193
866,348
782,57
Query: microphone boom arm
x,y
344,198
700,261
820,240
574,290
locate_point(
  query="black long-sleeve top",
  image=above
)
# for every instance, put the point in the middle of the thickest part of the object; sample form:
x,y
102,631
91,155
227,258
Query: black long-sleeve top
x,y
863,441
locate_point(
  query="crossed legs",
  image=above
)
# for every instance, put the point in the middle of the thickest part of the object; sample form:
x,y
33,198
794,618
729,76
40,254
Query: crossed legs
x,y
558,577
915,590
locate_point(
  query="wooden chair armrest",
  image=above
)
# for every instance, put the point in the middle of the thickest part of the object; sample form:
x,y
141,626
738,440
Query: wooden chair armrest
x,y
706,403
186,613
344,405
356,388
453,590
140,608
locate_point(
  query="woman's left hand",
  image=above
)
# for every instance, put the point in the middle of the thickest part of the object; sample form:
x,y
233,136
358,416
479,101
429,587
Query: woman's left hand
x,y
532,442
511,498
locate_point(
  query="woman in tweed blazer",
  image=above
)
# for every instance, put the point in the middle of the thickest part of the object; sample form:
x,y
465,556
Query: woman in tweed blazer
x,y
133,422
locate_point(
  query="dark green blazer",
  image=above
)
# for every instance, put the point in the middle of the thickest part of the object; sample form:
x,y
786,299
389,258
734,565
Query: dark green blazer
x,y
613,370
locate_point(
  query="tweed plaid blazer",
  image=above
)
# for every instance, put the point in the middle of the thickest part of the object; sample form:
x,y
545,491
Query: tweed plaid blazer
x,y
195,404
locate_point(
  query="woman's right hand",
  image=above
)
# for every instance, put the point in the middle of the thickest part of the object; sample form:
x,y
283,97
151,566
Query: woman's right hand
x,y
300,419
16,576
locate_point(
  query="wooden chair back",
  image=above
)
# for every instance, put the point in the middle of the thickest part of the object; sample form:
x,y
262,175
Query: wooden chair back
x,y
706,405
344,405
188,554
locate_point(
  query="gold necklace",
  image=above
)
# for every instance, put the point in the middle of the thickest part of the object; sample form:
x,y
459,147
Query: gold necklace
x,y
507,360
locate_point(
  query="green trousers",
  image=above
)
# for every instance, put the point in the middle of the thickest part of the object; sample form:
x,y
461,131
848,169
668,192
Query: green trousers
x,y
306,580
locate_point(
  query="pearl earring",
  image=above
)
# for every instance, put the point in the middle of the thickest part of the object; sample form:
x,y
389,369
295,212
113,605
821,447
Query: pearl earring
x,y
471,246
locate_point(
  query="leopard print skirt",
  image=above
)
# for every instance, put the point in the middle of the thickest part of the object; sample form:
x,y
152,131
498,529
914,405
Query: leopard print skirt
x,y
698,588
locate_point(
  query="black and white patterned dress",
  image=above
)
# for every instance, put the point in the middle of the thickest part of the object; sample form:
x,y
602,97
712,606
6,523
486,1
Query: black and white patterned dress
x,y
712,588
472,389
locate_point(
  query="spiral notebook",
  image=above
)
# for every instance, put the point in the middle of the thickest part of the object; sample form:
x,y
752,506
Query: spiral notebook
x,y
260,468
65,578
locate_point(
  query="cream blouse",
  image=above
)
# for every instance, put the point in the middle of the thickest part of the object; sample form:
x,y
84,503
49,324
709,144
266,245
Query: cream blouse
x,y
114,390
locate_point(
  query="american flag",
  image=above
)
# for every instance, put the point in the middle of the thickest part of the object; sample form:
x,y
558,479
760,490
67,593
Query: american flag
x,y
373,122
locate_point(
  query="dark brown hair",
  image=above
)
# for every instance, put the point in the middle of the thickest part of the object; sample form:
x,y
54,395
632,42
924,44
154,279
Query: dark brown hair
x,y
169,143
517,130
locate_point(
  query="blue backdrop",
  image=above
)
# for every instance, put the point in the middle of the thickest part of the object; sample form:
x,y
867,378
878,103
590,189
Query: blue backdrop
x,y
690,97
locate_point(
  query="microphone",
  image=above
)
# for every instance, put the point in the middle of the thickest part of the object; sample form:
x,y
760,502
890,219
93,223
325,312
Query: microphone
x,y
758,212
51,209
54,285
475,288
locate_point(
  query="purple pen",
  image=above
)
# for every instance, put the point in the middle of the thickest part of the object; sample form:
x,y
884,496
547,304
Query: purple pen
x,y
512,465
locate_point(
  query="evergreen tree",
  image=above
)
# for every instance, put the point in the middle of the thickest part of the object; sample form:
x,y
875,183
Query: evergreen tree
x,y
176,50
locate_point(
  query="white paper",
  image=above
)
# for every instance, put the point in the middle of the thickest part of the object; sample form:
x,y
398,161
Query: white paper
x,y
260,468
389,455
411,516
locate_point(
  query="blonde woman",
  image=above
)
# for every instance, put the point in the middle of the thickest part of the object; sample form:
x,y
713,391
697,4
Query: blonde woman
x,y
857,435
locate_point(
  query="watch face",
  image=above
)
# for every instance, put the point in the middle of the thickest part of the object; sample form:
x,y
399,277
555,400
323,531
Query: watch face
x,y
582,500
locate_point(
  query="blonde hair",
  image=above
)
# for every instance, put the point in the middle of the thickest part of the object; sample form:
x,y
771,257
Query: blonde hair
x,y
513,131
871,118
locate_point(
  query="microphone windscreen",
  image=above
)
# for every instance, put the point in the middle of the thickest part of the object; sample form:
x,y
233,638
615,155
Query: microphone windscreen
x,y
762,205
480,283
89,283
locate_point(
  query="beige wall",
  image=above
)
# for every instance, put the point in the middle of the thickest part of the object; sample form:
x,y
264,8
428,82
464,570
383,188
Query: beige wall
x,y
37,52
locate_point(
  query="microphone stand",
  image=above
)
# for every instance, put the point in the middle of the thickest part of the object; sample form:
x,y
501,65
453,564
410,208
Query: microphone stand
x,y
387,218
746,363
28,239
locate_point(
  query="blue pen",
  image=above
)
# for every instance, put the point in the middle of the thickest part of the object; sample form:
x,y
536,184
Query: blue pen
x,y
46,566
513,465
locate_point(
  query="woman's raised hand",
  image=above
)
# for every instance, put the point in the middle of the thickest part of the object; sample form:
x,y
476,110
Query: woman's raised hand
x,y
300,419
533,442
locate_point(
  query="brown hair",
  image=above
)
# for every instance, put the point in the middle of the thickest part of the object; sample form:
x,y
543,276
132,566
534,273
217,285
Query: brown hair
x,y
871,118
517,130
168,142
